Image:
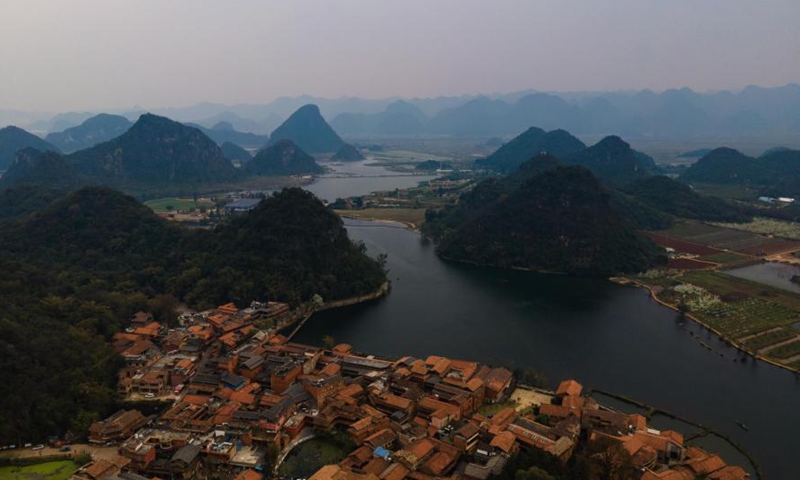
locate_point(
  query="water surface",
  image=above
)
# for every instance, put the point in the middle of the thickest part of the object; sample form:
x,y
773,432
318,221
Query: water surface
x,y
776,274
607,336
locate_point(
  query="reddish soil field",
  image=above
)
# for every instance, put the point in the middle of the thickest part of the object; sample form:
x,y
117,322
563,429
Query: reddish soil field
x,y
687,264
769,247
681,245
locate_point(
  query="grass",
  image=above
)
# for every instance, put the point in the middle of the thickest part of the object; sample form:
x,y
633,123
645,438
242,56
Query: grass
x,y
60,470
489,409
785,351
768,339
179,204
415,216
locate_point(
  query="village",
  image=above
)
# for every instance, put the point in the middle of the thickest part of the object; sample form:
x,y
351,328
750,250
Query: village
x,y
237,399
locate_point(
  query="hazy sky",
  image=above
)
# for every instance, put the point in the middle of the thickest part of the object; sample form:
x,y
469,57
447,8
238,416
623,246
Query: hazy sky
x,y
82,54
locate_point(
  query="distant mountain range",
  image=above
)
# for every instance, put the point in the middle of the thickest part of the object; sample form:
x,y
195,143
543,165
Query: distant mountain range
x,y
98,129
154,151
611,159
308,130
677,113
224,132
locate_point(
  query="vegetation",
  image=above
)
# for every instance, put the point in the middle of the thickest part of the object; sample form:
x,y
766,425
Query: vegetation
x,y
308,130
169,204
154,151
347,153
785,351
309,457
528,145
282,158
14,139
559,220
58,470
680,200
613,161
98,129
71,273
768,339
235,152
767,226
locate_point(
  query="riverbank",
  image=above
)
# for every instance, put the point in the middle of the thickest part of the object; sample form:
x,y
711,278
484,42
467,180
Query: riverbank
x,y
726,338
346,302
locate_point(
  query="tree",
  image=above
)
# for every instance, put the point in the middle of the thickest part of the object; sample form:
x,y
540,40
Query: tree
x,y
328,342
533,473
610,460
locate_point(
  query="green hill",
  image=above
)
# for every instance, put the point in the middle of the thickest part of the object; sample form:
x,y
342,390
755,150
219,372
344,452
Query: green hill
x,y
529,144
14,139
282,158
557,219
682,201
73,271
30,166
724,166
235,152
613,160
308,130
348,153
155,150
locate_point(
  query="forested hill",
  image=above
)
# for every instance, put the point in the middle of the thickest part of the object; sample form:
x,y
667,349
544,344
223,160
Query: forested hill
x,y
73,271
557,219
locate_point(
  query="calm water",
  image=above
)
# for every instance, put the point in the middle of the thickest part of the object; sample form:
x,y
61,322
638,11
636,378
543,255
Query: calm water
x,y
776,274
359,178
607,336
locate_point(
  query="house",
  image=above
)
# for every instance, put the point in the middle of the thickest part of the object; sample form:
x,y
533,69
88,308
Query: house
x,y
242,206
183,464
119,426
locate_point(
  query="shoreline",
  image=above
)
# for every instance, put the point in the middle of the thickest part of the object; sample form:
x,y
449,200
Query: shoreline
x,y
382,291
620,280
730,341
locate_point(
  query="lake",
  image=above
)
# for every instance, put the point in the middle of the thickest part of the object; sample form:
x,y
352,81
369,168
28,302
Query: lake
x,y
776,274
606,336
350,179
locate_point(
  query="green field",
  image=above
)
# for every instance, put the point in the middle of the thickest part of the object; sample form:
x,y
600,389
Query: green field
x,y
785,351
768,339
746,317
60,470
724,257
177,204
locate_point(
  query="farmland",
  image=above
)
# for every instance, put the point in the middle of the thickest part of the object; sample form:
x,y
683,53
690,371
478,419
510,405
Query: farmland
x,y
758,317
767,339
767,226
702,239
177,204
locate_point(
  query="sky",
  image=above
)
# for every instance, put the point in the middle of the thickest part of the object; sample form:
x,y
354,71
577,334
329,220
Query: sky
x,y
60,55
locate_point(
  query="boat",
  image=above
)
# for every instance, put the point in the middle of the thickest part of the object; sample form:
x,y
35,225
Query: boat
x,y
742,426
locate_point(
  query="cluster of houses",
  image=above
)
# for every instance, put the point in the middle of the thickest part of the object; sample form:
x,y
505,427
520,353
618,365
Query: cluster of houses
x,y
245,393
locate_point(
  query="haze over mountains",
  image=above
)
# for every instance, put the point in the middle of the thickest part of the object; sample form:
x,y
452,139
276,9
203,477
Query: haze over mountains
x,y
674,113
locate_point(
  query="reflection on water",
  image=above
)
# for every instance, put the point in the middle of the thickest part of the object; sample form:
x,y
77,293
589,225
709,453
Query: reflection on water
x,y
776,274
